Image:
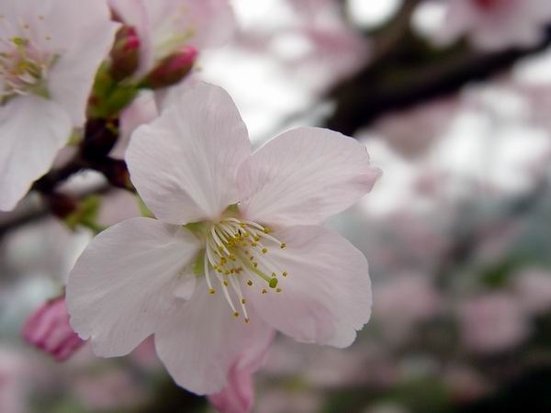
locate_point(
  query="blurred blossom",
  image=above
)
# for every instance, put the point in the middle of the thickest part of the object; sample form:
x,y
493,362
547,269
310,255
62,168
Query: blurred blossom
x,y
118,206
48,329
47,68
496,24
412,131
142,110
13,372
113,389
493,323
29,250
533,286
403,302
167,27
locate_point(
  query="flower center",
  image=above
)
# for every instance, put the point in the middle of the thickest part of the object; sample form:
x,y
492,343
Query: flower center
x,y
236,251
23,68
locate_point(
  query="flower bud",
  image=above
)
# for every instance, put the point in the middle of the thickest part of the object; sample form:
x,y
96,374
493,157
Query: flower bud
x,y
172,69
48,329
125,55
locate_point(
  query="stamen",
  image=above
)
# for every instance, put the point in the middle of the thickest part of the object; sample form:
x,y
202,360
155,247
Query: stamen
x,y
207,274
235,248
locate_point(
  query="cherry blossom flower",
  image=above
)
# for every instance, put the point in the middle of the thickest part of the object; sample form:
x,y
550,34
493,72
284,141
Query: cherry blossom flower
x,y
533,287
168,27
48,329
497,24
493,322
236,250
49,54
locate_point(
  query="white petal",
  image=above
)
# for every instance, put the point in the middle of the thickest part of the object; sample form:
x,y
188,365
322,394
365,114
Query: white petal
x,y
32,130
88,36
303,176
201,341
185,162
326,296
123,283
186,287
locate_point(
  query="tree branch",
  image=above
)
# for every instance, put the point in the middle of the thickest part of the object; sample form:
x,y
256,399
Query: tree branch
x,y
412,75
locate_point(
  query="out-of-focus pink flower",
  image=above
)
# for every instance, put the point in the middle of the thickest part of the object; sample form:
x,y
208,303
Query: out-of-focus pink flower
x,y
315,45
411,132
47,68
492,323
111,390
167,27
533,286
496,24
48,329
13,371
402,302
238,395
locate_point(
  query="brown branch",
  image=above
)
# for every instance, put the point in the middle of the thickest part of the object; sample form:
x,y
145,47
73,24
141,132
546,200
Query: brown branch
x,y
412,75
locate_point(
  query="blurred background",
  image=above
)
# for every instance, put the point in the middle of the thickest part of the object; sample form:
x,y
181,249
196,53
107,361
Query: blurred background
x,y
453,101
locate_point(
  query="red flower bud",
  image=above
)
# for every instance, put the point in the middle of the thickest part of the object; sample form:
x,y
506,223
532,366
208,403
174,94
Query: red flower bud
x,y
48,329
172,69
125,55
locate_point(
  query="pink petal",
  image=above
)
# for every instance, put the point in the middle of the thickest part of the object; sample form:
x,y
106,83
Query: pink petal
x,y
303,176
32,131
326,296
184,163
238,395
124,282
48,329
201,341
86,29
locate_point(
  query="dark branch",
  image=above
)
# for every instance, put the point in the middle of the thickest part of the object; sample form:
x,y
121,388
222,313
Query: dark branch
x,y
412,75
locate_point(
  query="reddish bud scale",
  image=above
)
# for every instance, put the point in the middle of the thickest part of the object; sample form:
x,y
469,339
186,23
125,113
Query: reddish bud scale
x,y
116,172
48,329
172,69
125,55
61,205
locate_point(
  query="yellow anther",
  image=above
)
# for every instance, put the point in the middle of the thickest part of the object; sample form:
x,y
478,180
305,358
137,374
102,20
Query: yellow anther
x,y
236,314
278,290
264,250
243,301
225,283
284,273
264,291
283,245
212,291
249,283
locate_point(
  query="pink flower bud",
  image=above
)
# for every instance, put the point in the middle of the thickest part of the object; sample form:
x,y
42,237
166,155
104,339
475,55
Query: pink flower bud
x,y
125,55
238,395
172,69
48,329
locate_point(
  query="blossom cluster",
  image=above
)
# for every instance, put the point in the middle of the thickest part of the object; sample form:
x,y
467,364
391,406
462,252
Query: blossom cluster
x,y
231,248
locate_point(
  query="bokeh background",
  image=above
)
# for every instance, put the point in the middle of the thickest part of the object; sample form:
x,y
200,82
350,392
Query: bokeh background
x,y
457,231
